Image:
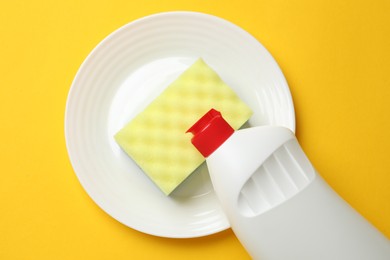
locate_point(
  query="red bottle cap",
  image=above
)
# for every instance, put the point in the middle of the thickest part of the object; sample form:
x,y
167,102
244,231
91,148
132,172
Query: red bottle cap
x,y
210,132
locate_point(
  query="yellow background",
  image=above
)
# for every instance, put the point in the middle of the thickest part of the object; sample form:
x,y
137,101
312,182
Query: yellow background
x,y
335,56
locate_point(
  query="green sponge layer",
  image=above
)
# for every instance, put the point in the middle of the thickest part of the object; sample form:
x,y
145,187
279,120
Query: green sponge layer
x,y
156,140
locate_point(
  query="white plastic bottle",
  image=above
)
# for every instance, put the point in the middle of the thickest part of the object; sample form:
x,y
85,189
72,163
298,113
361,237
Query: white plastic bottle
x,y
277,205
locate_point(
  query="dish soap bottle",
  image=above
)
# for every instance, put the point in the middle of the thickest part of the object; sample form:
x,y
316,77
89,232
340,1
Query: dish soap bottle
x,y
277,204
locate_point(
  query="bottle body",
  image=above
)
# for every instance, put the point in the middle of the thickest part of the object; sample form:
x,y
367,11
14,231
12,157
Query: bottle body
x,y
280,208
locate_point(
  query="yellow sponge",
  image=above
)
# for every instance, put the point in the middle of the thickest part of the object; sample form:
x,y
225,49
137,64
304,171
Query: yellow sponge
x,y
156,140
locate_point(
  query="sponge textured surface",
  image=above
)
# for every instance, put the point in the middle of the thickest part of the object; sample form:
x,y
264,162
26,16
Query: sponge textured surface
x,y
156,140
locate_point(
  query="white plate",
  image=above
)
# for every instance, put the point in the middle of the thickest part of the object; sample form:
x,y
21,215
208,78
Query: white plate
x,y
125,72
